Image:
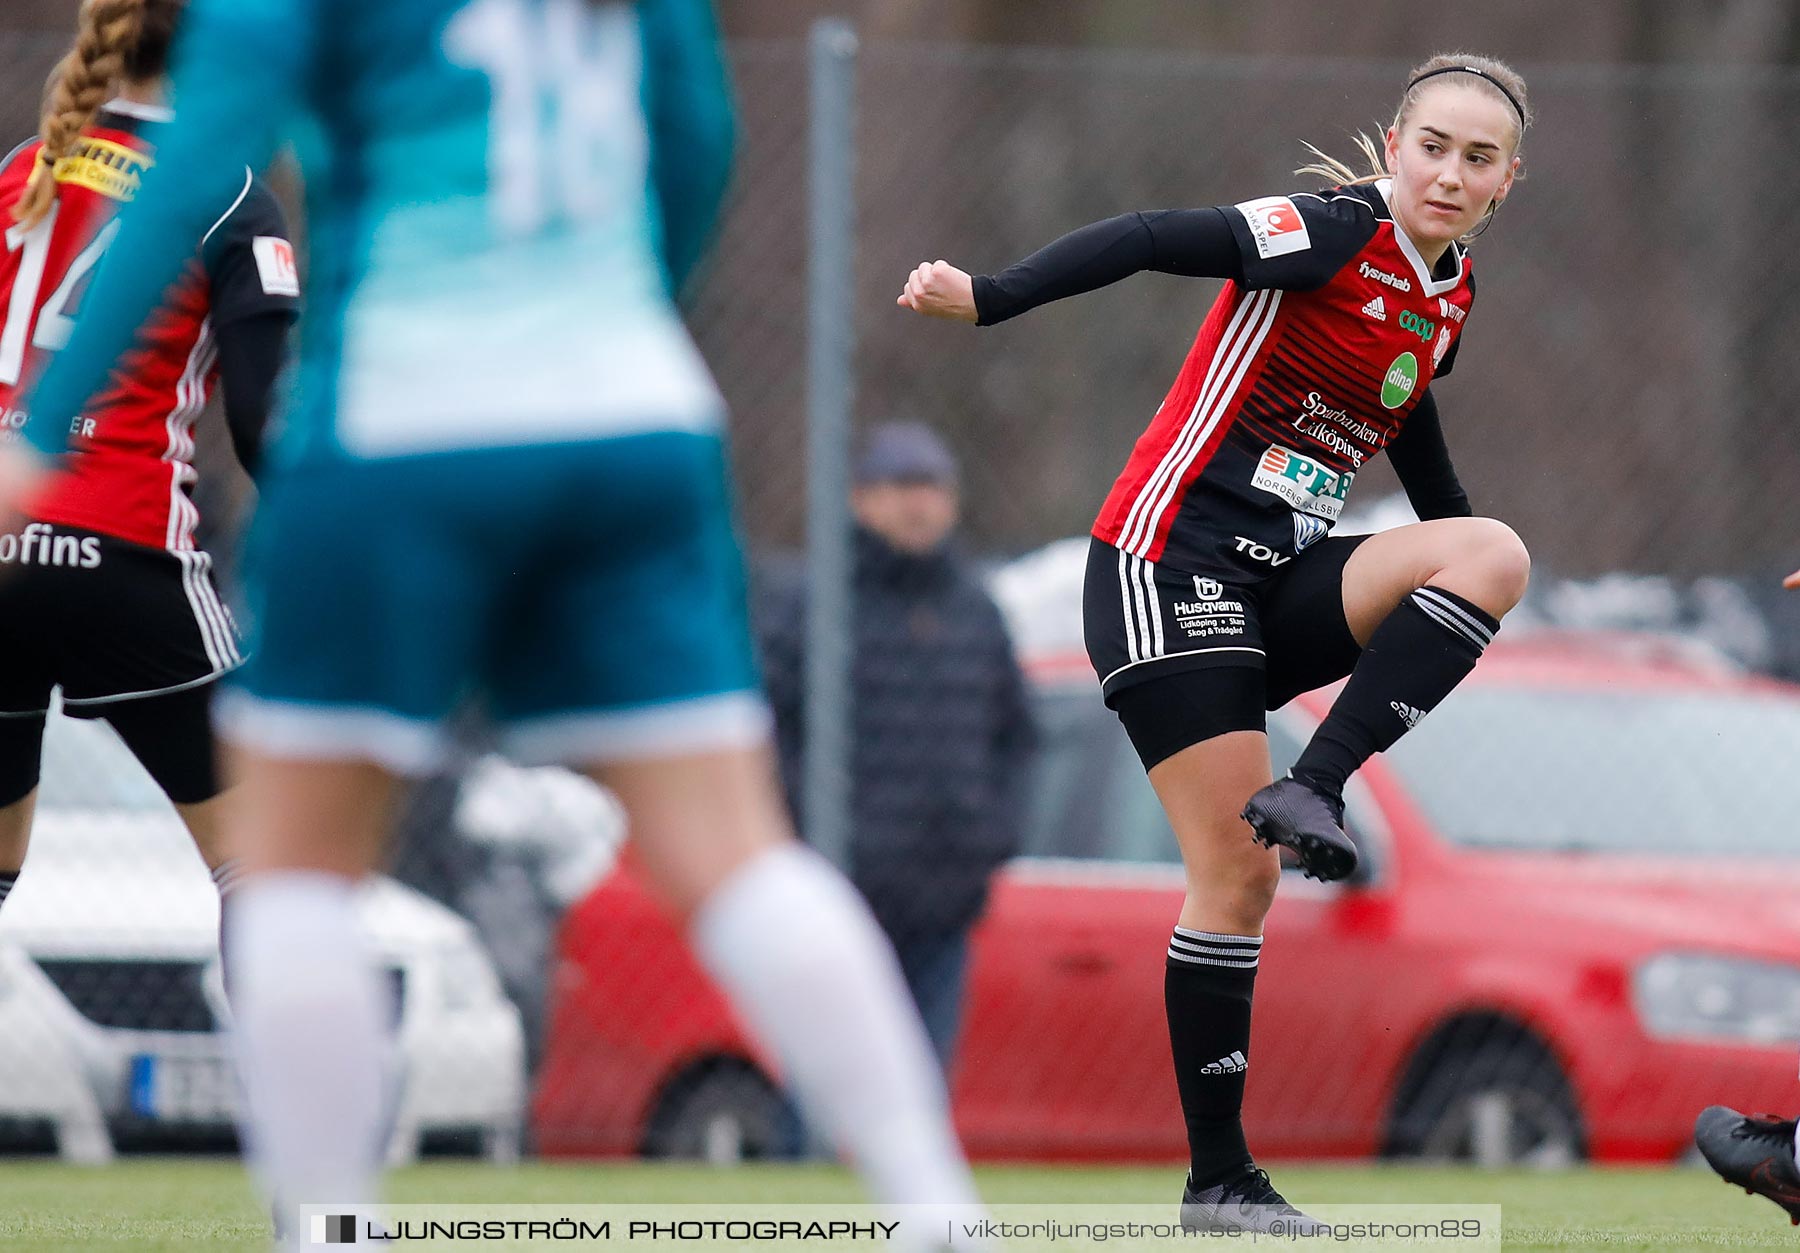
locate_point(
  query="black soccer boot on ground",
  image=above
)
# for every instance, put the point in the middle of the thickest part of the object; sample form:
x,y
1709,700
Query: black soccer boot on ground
x,y
1289,813
1247,1203
1754,1151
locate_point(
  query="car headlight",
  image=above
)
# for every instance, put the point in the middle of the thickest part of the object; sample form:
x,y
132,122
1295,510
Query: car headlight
x,y
1693,995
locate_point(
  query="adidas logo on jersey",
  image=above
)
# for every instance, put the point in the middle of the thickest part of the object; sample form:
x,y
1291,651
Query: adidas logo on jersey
x,y
1408,714
1375,309
1232,1065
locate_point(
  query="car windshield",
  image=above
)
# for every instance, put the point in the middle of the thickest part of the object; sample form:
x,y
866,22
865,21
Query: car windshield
x,y
1674,772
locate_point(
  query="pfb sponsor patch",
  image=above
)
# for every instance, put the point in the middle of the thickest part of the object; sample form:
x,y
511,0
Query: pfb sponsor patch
x,y
1302,482
1275,225
275,265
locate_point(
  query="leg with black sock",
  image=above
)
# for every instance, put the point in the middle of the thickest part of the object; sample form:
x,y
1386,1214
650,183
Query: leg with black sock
x,y
1416,657
1207,988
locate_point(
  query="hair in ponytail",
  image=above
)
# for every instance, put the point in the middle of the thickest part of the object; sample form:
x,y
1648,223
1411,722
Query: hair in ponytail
x,y
115,40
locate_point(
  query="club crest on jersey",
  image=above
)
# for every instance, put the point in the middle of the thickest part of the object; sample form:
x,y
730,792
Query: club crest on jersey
x,y
1276,226
1308,531
1303,483
1440,348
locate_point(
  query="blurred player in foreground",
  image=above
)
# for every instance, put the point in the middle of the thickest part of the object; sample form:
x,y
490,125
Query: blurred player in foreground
x,y
105,593
1215,590
502,480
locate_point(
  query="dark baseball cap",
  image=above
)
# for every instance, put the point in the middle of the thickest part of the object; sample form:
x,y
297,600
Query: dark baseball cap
x,y
906,452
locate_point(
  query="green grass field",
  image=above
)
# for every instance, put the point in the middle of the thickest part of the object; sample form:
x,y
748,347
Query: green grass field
x,y
179,1204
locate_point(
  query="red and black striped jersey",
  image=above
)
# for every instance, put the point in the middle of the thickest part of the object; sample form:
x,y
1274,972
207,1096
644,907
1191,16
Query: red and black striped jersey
x,y
129,471
1302,371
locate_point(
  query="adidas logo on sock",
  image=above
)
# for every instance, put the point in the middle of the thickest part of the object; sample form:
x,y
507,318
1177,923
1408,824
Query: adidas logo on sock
x,y
1234,1064
1376,310
1408,714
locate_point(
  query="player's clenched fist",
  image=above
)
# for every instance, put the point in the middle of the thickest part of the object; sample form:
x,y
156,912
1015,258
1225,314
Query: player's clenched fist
x,y
939,290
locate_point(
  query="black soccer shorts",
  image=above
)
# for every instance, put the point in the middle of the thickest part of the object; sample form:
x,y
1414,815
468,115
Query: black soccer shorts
x,y
113,624
1182,658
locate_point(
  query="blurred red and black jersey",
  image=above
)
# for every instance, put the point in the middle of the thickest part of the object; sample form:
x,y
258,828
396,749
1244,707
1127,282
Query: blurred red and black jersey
x,y
129,472
1298,376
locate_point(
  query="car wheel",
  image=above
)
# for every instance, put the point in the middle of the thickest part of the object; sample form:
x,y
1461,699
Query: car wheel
x,y
723,1111
1502,1101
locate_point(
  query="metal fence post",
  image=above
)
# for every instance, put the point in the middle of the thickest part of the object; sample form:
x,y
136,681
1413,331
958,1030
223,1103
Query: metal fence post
x,y
825,790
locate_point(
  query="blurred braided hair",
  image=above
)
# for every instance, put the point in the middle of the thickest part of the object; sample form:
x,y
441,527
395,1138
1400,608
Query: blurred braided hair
x,y
115,41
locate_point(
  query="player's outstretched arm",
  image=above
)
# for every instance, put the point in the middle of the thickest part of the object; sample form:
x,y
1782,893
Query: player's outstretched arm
x,y
1194,242
939,290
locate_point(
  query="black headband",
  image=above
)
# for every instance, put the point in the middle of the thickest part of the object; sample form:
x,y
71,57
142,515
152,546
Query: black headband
x,y
1470,69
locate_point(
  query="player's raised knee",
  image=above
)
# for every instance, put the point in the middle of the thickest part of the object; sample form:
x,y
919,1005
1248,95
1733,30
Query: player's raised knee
x,y
1504,559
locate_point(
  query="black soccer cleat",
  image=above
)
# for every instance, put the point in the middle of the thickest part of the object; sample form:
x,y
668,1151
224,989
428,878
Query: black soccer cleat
x,y
1247,1203
1291,814
1754,1151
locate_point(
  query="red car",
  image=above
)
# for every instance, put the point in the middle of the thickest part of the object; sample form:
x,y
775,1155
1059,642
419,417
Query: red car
x,y
1577,924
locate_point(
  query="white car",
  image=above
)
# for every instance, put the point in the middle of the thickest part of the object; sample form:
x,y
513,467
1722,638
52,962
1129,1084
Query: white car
x,y
112,1009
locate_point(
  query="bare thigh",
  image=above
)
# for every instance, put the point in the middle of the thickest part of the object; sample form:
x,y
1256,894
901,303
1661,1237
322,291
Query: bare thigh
x,y
1479,559
1231,879
330,816
696,819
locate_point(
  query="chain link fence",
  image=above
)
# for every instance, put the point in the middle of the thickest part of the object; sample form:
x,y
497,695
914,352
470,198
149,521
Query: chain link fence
x,y
1531,969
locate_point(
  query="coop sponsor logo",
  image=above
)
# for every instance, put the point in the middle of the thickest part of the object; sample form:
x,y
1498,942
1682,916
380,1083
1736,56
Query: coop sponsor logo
x,y
1424,328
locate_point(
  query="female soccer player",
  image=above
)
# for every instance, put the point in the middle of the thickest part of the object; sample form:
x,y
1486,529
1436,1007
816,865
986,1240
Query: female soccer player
x,y
1214,591
502,479
105,593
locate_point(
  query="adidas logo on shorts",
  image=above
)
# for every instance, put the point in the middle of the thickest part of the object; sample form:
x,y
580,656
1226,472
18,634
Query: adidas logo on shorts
x,y
1375,309
1408,714
1231,1065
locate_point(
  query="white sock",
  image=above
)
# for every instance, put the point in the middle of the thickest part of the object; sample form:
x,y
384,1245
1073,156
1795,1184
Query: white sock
x,y
814,978
310,1037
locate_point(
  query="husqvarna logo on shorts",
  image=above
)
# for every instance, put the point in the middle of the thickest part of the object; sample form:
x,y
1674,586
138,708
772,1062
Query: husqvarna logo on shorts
x,y
1208,589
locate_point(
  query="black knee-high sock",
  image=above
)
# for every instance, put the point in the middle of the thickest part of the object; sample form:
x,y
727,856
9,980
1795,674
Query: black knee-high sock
x,y
1418,654
1206,991
7,879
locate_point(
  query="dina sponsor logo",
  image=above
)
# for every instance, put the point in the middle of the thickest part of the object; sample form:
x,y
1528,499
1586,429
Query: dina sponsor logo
x,y
1398,383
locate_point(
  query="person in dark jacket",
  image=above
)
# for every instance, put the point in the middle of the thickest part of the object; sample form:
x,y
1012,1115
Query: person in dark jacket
x,y
941,728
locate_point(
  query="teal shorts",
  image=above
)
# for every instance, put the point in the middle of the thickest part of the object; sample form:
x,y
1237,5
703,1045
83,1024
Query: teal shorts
x,y
587,599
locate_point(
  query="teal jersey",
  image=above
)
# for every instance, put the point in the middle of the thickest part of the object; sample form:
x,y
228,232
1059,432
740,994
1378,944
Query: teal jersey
x,y
501,197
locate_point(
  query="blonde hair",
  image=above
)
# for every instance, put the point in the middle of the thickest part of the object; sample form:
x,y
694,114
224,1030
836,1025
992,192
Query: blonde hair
x,y
114,40
1510,91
